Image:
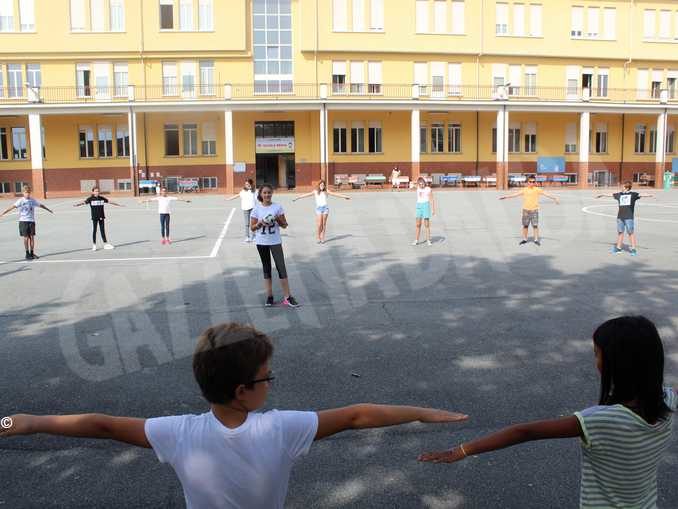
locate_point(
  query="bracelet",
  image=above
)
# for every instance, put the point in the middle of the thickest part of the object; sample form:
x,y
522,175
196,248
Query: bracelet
x,y
462,450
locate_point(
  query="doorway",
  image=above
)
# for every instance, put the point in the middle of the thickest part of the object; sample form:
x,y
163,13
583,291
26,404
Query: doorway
x,y
601,178
276,169
172,184
275,161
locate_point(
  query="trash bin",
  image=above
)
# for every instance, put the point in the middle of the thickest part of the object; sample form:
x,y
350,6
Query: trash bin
x,y
668,180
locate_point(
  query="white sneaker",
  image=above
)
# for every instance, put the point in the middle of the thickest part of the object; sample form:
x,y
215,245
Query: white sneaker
x,y
414,242
429,243
109,246
94,247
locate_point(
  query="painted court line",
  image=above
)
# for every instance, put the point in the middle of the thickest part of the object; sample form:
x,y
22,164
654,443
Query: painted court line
x,y
213,253
648,219
217,244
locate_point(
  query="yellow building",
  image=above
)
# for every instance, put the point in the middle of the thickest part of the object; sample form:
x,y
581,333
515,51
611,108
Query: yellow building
x,y
209,92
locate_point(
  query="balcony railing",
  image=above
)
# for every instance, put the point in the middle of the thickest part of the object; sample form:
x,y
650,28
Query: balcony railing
x,y
172,91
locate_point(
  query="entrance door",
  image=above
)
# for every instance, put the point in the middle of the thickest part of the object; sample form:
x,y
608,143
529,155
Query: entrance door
x,y
267,169
601,178
172,184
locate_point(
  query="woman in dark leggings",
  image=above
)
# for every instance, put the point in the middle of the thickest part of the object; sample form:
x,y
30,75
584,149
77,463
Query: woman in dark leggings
x,y
96,203
265,221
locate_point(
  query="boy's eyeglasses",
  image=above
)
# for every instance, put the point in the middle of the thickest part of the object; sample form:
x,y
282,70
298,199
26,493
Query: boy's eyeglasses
x,y
268,379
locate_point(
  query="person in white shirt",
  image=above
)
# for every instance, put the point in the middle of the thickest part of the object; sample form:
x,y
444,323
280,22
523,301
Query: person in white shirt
x,y
247,202
426,207
164,202
26,207
232,456
322,211
395,179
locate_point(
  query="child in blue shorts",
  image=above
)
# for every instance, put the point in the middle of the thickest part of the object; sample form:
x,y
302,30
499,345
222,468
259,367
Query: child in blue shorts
x,y
426,207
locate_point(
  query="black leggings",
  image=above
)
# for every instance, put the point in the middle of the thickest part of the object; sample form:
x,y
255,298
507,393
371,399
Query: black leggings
x,y
102,229
164,225
265,253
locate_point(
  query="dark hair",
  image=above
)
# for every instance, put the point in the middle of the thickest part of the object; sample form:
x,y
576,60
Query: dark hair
x,y
269,186
633,366
531,179
95,188
250,182
229,355
628,184
317,187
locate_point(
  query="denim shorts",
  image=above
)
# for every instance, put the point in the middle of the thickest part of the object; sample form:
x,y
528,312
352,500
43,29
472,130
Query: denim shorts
x,y
323,209
423,210
625,224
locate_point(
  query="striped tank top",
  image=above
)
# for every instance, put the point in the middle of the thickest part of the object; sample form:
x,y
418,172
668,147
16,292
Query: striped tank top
x,y
620,454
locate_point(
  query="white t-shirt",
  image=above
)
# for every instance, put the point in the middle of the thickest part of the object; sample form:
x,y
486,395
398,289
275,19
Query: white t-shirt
x,y
267,235
26,208
246,199
320,198
243,468
423,195
164,203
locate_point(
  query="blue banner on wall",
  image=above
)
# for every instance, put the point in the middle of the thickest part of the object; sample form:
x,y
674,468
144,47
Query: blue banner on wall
x,y
551,165
674,164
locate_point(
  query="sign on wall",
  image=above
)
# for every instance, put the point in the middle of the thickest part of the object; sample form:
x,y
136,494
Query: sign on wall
x,y
274,145
550,164
239,167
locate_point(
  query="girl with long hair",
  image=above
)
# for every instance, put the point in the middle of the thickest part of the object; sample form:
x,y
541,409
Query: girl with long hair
x,y
322,211
426,207
247,201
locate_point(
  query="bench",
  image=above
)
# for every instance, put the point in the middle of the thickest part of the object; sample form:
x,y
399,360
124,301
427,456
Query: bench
x,y
490,181
471,180
452,179
517,180
357,181
375,180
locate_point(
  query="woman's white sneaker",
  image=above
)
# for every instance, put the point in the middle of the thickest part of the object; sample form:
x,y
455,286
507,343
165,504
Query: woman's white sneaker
x,y
94,247
109,246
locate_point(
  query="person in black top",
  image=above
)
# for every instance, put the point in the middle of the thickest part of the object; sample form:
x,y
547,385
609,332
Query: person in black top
x,y
627,204
96,203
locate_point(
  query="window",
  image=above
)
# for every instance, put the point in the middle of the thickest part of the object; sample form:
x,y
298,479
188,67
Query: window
x,y
577,24
421,15
610,23
4,149
671,140
494,140
572,80
498,76
101,79
207,78
671,84
437,79
535,20
514,80
19,186
640,132
600,143
377,15
273,71
105,141
97,17
423,140
440,16
458,17
339,138
665,24
601,88
166,14
501,24
205,16
649,24
642,77
169,79
437,138
421,77
6,15
571,138
124,184
531,137
358,15
19,143
374,145
338,77
652,149
27,15
5,187
120,78
357,78
86,137
208,182
209,139
531,80
656,84
454,138
357,137
83,78
117,14
190,139
186,15
519,20
171,140
14,81
454,76
339,10
514,138
78,15
122,140
593,22
374,77
33,75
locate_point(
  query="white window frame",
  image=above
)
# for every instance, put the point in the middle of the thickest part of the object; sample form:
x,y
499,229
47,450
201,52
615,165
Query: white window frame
x,y
439,16
642,81
358,16
342,149
207,70
357,77
649,24
665,24
205,15
209,139
340,15
89,137
97,16
27,15
359,128
186,21
438,71
377,15
458,22
374,128
530,142
33,75
603,82
19,134
514,79
454,82
571,138
120,79
519,20
374,78
610,23
7,16
122,133
437,137
117,15
189,139
170,80
189,78
530,84
454,147
421,77
577,22
83,87
502,19
78,16
536,22
15,83
105,136
600,140
593,23
422,17
339,69
102,80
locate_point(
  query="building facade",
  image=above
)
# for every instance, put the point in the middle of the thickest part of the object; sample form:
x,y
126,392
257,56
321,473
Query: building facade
x,y
211,92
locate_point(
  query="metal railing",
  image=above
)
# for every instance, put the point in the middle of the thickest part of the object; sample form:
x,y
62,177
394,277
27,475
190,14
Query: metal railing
x,y
173,91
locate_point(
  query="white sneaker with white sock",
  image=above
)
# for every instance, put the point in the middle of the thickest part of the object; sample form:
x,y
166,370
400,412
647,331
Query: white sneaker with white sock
x,y
108,246
94,247
415,242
